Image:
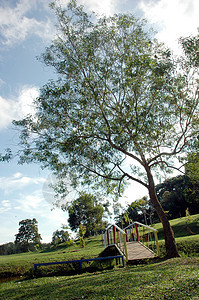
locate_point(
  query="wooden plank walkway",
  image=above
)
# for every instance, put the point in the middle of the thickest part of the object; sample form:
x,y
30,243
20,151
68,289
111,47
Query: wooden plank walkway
x,y
137,250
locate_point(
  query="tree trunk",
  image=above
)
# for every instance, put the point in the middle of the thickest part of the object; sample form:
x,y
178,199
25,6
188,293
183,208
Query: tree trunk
x,y
171,248
27,246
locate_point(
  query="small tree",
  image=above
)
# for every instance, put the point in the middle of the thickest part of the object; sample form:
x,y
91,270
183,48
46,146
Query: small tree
x,y
60,236
82,231
28,232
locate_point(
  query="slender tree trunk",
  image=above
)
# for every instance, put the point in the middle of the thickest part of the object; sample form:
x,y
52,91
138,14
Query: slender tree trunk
x,y
145,218
171,248
27,246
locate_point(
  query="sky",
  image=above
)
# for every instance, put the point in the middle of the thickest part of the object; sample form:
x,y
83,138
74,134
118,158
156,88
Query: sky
x,y
26,28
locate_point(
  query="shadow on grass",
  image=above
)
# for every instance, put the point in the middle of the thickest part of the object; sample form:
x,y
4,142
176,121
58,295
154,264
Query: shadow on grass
x,y
170,279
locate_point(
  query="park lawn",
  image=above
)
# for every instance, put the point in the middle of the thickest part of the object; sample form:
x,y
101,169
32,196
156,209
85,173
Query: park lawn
x,y
19,264
171,279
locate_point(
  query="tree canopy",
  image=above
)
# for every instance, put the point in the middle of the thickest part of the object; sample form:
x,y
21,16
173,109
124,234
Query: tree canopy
x,y
60,236
177,194
27,233
122,108
86,211
192,172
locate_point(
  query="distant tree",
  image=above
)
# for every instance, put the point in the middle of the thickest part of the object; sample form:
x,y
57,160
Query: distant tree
x,y
28,233
86,211
82,231
139,210
8,248
192,172
176,194
143,206
172,197
60,236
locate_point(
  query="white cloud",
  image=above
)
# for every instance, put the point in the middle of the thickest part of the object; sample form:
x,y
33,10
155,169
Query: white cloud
x,y
17,107
5,205
17,181
106,7
174,18
102,7
31,202
15,25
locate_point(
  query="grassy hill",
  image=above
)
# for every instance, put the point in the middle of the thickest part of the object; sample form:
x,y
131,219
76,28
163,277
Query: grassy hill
x,y
186,231
182,227
171,279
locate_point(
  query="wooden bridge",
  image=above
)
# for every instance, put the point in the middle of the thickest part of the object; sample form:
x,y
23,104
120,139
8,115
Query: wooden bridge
x,y
136,241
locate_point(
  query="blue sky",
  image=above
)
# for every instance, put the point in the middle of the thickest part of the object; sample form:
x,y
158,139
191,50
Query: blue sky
x,y
26,28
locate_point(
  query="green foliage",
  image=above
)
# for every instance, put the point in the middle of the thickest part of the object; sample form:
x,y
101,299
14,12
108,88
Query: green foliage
x,y
192,167
60,236
82,242
190,45
192,171
86,212
176,195
8,248
139,210
28,232
82,231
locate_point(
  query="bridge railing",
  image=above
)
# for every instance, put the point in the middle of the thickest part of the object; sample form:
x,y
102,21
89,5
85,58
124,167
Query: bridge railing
x,y
116,236
143,233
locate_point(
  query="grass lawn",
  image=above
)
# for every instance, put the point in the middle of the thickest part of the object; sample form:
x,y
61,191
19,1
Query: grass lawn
x,y
164,279
19,264
171,279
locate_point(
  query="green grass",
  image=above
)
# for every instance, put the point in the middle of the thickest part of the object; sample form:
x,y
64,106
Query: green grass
x,y
19,264
182,227
171,279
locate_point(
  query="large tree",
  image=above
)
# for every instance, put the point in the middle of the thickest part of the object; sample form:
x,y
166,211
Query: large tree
x,y
28,232
121,110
